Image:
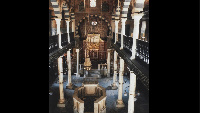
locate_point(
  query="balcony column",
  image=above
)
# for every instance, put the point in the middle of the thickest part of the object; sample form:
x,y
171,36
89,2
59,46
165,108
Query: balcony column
x,y
58,33
123,20
116,30
73,25
77,52
67,22
61,102
115,70
113,23
136,18
120,102
131,92
73,22
143,28
69,67
108,62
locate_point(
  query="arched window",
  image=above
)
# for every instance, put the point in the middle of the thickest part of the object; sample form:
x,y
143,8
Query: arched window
x,y
92,3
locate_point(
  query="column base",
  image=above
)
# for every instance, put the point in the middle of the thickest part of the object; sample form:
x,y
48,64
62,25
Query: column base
x,y
120,104
61,103
77,75
114,86
71,86
108,74
132,57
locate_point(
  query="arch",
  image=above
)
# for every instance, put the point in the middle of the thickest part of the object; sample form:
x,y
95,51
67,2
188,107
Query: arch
x,y
100,17
65,9
56,8
125,8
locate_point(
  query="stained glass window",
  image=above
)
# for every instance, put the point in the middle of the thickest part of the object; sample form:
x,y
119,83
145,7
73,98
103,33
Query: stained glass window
x,y
92,3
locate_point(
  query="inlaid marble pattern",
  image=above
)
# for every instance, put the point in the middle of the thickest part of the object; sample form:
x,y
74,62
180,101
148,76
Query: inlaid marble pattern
x,y
141,104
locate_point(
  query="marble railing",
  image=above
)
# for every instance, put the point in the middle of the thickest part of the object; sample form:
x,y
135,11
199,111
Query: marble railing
x,y
100,104
85,90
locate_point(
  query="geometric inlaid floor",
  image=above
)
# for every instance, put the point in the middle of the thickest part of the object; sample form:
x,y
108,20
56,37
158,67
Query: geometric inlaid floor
x,y
141,104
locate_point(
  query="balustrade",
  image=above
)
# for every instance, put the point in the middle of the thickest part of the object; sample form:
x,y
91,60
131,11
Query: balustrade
x,y
64,39
53,41
142,49
119,40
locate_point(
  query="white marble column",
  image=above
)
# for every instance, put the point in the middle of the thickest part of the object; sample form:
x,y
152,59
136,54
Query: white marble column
x,y
115,69
61,102
69,67
131,92
67,22
108,62
136,18
143,28
77,52
116,30
123,20
120,102
58,32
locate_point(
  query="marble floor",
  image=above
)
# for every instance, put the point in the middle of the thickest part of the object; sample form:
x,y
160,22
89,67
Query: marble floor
x,y
141,104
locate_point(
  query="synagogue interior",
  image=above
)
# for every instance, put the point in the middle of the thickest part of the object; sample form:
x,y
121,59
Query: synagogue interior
x,y
98,56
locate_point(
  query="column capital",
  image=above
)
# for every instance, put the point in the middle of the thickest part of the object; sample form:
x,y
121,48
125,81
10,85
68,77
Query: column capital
x,y
131,71
116,21
58,19
137,16
77,50
60,56
109,50
67,20
123,20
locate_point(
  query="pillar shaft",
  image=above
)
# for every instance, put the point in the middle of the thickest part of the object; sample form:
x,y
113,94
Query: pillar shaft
x,y
115,69
69,67
108,63
113,26
73,25
116,30
121,72
135,34
58,32
67,22
131,92
143,28
60,72
123,20
77,50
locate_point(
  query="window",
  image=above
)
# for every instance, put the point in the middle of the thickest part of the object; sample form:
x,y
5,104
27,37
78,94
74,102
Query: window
x,y
92,3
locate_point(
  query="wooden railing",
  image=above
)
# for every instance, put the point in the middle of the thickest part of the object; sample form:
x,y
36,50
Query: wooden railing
x,y
142,49
53,43
141,73
64,39
54,51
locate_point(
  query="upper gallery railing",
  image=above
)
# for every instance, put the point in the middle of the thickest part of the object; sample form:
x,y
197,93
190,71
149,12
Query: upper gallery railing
x,y
142,48
53,41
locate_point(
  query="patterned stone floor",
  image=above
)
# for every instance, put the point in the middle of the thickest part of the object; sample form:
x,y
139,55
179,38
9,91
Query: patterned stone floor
x,y
141,104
